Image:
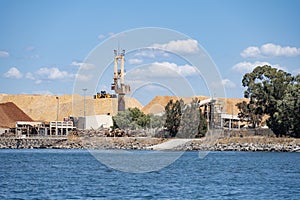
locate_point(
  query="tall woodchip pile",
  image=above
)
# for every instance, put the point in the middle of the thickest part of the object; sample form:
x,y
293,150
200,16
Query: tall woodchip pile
x,y
10,114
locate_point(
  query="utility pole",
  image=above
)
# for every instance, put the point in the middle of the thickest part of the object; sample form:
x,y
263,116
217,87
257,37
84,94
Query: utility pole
x,y
57,108
84,114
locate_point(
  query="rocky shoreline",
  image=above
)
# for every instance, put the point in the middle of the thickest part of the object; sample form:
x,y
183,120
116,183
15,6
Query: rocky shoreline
x,y
266,144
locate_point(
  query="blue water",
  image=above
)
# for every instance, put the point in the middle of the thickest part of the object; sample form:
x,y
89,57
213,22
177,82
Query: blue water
x,y
75,174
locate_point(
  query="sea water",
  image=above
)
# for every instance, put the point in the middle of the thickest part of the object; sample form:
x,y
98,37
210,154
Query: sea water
x,y
76,174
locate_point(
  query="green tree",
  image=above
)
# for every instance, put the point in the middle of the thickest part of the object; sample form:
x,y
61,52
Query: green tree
x,y
131,118
173,116
156,121
185,120
273,92
193,123
122,120
290,107
249,111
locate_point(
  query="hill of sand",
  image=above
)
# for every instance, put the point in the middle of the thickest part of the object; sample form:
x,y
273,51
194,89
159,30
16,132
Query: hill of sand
x,y
44,107
158,104
10,114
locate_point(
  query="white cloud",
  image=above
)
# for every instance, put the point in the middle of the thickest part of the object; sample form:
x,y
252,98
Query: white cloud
x,y
82,65
245,67
188,46
4,54
82,77
135,61
13,73
53,73
251,52
270,50
145,54
151,53
49,74
163,70
228,83
30,76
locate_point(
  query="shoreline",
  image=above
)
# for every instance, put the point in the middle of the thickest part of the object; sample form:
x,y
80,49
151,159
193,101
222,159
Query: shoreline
x,y
251,144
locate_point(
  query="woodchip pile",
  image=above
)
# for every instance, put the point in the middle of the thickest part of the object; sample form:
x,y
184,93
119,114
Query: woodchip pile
x,y
10,113
44,107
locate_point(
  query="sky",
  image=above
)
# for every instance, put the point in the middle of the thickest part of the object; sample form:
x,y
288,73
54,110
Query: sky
x,y
45,45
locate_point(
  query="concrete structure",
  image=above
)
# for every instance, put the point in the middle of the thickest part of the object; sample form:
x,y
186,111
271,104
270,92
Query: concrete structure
x,y
61,128
24,128
216,117
94,122
230,119
3,130
118,85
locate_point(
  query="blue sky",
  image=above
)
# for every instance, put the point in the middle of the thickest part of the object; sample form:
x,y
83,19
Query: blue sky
x,y
43,43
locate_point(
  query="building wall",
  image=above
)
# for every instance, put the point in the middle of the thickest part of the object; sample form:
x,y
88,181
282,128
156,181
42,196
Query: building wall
x,y
95,122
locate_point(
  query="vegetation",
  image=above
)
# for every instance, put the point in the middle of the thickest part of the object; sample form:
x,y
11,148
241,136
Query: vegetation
x,y
180,120
251,113
275,93
134,119
173,116
184,120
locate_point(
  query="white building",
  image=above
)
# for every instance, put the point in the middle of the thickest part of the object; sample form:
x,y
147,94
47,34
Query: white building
x,y
95,122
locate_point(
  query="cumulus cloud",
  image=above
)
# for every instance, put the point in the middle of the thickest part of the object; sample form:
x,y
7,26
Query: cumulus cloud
x,y
228,83
135,61
151,53
82,65
163,70
53,73
270,50
49,74
188,46
245,67
13,73
30,76
4,54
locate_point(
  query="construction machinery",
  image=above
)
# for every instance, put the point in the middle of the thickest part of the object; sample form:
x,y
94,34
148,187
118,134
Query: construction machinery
x,y
118,85
104,94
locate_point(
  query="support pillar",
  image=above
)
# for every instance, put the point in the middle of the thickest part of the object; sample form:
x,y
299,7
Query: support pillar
x,y
121,102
